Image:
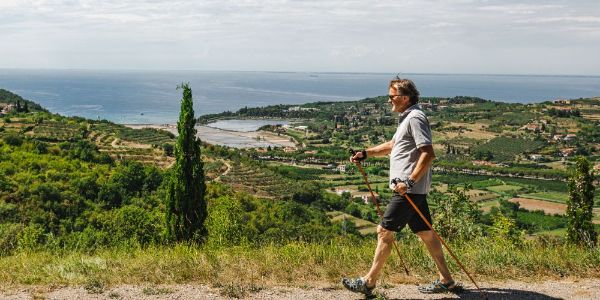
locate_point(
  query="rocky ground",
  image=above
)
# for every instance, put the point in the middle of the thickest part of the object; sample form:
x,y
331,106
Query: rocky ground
x,y
563,289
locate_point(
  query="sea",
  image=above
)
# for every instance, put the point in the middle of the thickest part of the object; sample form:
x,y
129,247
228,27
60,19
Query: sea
x,y
152,97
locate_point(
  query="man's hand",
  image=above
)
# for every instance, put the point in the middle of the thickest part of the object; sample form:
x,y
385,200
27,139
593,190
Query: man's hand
x,y
358,156
400,188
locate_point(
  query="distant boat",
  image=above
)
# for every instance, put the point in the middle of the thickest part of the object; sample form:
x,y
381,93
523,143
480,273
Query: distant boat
x,y
314,75
142,114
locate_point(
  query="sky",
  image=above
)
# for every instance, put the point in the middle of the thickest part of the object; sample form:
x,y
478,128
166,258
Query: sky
x,y
415,36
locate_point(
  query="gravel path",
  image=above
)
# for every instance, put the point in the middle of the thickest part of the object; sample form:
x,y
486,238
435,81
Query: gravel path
x,y
563,289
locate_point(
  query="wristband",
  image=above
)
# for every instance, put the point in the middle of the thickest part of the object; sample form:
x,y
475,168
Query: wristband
x,y
364,153
408,182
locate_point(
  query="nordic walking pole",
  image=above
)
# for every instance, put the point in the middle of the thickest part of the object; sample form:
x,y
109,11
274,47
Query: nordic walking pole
x,y
395,181
364,175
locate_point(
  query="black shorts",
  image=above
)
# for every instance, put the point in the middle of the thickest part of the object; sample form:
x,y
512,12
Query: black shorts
x,y
399,212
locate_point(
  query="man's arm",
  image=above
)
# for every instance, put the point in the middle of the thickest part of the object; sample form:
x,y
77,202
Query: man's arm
x,y
425,159
379,150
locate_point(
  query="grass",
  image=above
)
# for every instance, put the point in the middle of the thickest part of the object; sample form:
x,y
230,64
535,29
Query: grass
x,y
507,188
548,196
487,205
293,264
554,232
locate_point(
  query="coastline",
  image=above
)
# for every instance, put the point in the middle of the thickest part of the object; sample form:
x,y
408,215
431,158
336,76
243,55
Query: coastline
x,y
228,137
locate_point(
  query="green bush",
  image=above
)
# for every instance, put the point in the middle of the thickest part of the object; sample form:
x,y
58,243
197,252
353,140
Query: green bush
x,y
455,216
9,234
111,194
136,224
5,184
505,229
225,222
13,139
32,237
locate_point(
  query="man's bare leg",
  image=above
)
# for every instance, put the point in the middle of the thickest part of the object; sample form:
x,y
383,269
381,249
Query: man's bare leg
x,y
385,238
435,250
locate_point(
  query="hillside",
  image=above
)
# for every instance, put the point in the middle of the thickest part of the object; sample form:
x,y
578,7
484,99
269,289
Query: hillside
x,y
82,201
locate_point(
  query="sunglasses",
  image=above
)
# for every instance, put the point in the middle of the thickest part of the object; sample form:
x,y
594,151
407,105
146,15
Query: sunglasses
x,y
391,97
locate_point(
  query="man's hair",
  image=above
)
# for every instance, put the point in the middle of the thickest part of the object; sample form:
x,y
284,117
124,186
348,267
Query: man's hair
x,y
405,87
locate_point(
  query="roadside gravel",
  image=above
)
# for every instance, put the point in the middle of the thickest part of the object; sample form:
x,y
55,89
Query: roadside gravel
x,y
563,289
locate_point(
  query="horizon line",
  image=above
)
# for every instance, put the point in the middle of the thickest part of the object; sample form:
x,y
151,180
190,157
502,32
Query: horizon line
x,y
300,72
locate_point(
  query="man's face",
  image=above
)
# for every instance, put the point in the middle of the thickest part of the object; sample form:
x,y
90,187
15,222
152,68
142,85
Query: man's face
x,y
399,103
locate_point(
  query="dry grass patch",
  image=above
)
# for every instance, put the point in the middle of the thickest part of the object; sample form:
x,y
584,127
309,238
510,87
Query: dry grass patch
x,y
548,207
476,131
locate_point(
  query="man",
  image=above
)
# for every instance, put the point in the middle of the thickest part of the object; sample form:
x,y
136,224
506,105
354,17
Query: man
x,y
411,154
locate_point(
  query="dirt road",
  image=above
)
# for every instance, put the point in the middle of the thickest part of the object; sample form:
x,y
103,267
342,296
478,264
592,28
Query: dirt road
x,y
563,289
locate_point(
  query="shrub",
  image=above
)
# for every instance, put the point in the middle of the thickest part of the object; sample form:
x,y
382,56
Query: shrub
x,y
134,223
5,184
225,222
9,234
455,216
40,147
168,148
111,194
31,237
13,139
505,228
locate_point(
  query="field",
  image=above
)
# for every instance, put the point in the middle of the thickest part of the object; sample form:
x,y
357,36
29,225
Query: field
x,y
261,182
363,226
550,208
119,142
486,206
506,148
548,196
507,188
476,131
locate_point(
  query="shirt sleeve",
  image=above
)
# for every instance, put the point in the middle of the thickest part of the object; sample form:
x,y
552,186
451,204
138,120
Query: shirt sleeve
x,y
421,132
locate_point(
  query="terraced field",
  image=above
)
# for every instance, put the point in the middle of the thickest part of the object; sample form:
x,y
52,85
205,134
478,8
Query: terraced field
x,y
55,131
364,227
258,181
139,146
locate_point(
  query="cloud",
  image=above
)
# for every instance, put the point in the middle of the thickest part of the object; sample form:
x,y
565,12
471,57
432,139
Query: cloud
x,y
301,35
520,9
565,19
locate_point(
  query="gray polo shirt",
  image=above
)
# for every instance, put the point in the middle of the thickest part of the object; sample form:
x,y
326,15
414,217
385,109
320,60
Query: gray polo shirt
x,y
413,132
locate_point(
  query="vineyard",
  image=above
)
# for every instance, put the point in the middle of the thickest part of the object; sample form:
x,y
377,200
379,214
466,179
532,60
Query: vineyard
x,y
506,148
261,182
54,131
119,142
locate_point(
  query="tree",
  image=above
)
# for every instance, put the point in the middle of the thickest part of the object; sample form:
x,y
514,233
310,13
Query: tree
x,y
580,228
186,206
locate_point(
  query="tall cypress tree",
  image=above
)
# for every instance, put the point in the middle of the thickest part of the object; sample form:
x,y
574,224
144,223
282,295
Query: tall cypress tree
x,y
580,229
186,206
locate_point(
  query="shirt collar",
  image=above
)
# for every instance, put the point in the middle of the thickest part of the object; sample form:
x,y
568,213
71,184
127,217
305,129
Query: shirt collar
x,y
407,111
